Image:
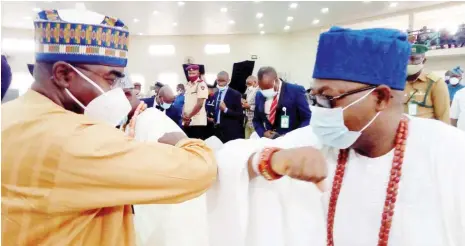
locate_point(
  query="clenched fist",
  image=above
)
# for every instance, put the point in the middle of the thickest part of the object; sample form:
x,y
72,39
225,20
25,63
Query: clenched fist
x,y
305,163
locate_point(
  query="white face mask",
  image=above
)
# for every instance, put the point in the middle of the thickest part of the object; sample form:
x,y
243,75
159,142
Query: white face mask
x,y
454,81
328,125
413,69
110,107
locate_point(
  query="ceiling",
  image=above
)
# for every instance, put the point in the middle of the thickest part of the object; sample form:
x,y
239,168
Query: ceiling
x,y
208,18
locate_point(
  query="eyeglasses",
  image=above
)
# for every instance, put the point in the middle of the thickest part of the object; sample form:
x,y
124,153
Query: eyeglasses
x,y
325,101
114,83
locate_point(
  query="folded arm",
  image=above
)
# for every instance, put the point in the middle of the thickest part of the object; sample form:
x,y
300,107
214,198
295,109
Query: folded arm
x,y
100,167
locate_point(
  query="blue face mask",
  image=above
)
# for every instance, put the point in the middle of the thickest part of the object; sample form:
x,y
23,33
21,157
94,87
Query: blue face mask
x,y
268,93
163,104
328,125
221,88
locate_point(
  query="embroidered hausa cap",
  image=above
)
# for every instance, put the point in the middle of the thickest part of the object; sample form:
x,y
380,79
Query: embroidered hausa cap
x,y
80,36
371,56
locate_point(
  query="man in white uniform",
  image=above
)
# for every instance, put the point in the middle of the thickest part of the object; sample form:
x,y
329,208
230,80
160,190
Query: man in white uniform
x,y
396,180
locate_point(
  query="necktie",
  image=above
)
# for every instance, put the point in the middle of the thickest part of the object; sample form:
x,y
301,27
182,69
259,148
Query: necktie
x,y
274,105
217,107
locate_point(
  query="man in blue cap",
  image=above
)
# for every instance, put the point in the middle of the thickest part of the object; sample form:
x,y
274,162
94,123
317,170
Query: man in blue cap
x,y
68,175
392,179
454,81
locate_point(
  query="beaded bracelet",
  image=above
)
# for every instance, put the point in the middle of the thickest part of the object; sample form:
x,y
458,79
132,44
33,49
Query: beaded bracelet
x,y
264,166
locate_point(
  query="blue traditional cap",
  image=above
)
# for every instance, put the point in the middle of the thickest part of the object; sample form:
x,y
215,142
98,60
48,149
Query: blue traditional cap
x,y
457,71
78,36
370,56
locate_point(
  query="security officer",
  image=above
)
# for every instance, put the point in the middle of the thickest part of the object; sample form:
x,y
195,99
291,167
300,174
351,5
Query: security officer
x,y
194,114
426,94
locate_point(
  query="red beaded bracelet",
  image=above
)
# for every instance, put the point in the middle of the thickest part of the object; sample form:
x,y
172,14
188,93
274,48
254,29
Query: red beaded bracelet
x,y
264,166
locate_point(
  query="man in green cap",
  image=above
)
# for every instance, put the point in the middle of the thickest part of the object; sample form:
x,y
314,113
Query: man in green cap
x,y
426,94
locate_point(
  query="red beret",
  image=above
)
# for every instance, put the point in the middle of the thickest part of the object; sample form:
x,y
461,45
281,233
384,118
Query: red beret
x,y
192,67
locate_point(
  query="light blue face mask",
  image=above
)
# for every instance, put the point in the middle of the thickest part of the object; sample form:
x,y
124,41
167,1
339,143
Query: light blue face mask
x,y
166,105
268,93
221,88
163,104
328,125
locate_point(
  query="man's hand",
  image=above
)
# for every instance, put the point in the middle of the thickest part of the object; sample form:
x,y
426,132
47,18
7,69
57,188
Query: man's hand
x,y
305,163
245,105
172,138
210,119
269,134
222,106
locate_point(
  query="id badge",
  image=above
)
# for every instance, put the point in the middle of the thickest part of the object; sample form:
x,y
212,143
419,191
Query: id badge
x,y
284,121
412,109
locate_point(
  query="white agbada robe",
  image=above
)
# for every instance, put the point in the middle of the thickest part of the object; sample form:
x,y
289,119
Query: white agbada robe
x,y
430,208
183,224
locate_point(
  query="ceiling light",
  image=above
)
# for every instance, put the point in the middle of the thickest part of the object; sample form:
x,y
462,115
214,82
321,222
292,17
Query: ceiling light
x,y
175,23
259,15
232,22
224,10
290,18
181,3
27,17
136,20
316,21
324,10
393,5
36,9
260,25
155,12
141,34
287,28
262,32
293,5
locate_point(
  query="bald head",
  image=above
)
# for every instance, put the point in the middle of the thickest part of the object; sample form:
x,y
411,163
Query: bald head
x,y
166,95
222,79
251,81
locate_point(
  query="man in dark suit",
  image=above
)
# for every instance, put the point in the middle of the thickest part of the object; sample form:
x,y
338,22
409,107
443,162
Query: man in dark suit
x,y
210,108
163,101
228,116
280,107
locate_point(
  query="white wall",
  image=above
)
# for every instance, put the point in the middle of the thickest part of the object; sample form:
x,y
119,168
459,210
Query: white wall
x,y
271,50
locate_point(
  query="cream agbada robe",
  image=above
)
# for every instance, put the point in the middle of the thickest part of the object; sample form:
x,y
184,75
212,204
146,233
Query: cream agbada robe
x,y
171,224
430,209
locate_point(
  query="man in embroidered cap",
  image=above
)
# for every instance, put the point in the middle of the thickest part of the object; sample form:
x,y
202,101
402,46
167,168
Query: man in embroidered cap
x,y
194,113
68,175
454,82
392,179
426,94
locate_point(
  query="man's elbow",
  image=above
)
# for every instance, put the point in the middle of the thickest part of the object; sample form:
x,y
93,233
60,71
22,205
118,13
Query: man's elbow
x,y
202,174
